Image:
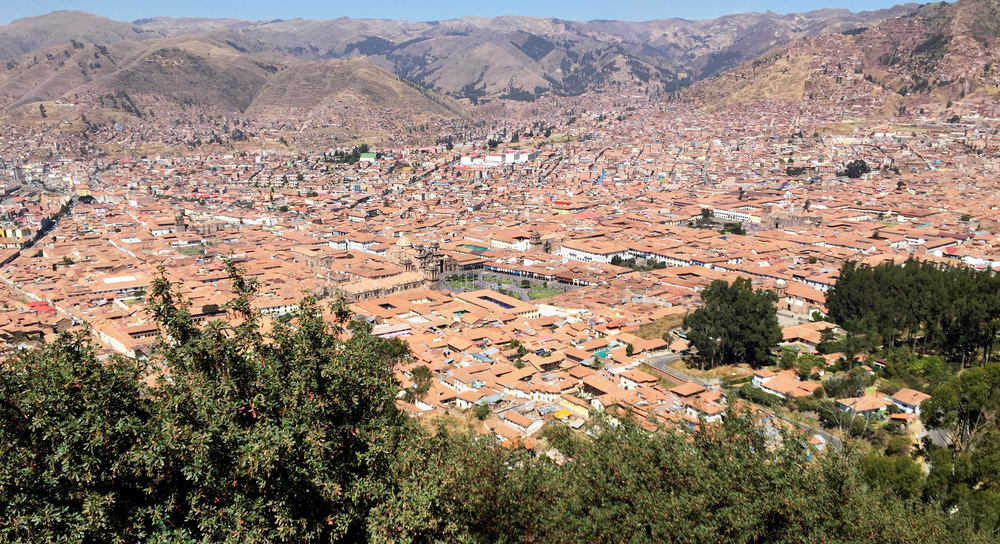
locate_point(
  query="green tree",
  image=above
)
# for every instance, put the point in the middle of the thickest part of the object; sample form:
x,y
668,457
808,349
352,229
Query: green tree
x,y
965,407
806,363
422,378
736,324
898,475
730,483
856,168
245,439
789,359
70,430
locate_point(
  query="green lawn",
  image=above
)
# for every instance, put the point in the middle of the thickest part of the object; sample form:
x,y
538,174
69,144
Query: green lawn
x,y
540,292
458,284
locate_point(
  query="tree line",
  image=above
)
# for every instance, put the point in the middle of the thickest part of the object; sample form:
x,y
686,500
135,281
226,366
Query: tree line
x,y
949,310
231,434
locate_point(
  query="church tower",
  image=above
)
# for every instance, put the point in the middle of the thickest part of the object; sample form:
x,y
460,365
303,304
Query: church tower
x,y
179,223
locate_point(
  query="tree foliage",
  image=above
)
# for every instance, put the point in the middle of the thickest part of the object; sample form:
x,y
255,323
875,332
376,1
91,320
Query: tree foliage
x,y
965,407
736,324
952,311
856,168
240,439
729,484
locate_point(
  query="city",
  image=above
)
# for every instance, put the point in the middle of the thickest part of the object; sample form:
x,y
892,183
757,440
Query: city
x,y
550,265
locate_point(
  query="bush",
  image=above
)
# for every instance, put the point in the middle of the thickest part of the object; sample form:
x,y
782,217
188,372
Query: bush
x,y
890,387
758,396
898,445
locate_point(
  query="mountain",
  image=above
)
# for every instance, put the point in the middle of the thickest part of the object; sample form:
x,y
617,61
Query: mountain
x,y
942,52
30,34
513,57
161,76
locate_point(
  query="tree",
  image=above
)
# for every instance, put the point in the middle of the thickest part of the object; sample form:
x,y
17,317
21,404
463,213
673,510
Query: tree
x,y
67,420
736,324
729,484
899,475
805,207
857,168
291,434
629,349
525,284
789,359
828,342
422,378
481,411
965,407
806,363
250,439
954,311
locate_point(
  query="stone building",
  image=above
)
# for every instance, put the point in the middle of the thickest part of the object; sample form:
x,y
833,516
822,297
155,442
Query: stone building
x,y
428,260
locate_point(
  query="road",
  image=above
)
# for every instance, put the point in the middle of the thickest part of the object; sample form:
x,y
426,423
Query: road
x,y
662,362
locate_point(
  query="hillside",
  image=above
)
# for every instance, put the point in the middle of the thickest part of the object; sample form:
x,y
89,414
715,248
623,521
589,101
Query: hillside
x,y
64,27
147,78
472,57
942,53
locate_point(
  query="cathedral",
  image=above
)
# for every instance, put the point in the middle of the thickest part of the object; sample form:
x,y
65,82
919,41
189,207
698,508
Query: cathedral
x,y
428,260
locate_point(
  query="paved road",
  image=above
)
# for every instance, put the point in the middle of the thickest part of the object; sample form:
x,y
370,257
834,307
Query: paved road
x,y
662,362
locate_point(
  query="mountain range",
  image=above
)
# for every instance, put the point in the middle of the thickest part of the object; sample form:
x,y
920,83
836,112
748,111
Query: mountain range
x,y
225,62
939,53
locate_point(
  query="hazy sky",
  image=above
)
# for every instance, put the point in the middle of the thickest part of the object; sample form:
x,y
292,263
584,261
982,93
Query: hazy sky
x,y
425,10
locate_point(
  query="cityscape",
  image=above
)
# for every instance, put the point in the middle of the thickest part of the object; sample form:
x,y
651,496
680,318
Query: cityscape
x,y
799,248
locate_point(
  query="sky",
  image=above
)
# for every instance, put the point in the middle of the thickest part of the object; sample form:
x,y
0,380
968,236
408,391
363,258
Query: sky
x,y
426,10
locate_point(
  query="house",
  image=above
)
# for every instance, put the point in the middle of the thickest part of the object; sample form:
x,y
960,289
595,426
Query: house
x,y
687,390
631,379
516,420
867,405
784,384
908,400
708,410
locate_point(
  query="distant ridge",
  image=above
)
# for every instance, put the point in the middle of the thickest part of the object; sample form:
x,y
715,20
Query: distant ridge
x,y
481,58
942,52
169,74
